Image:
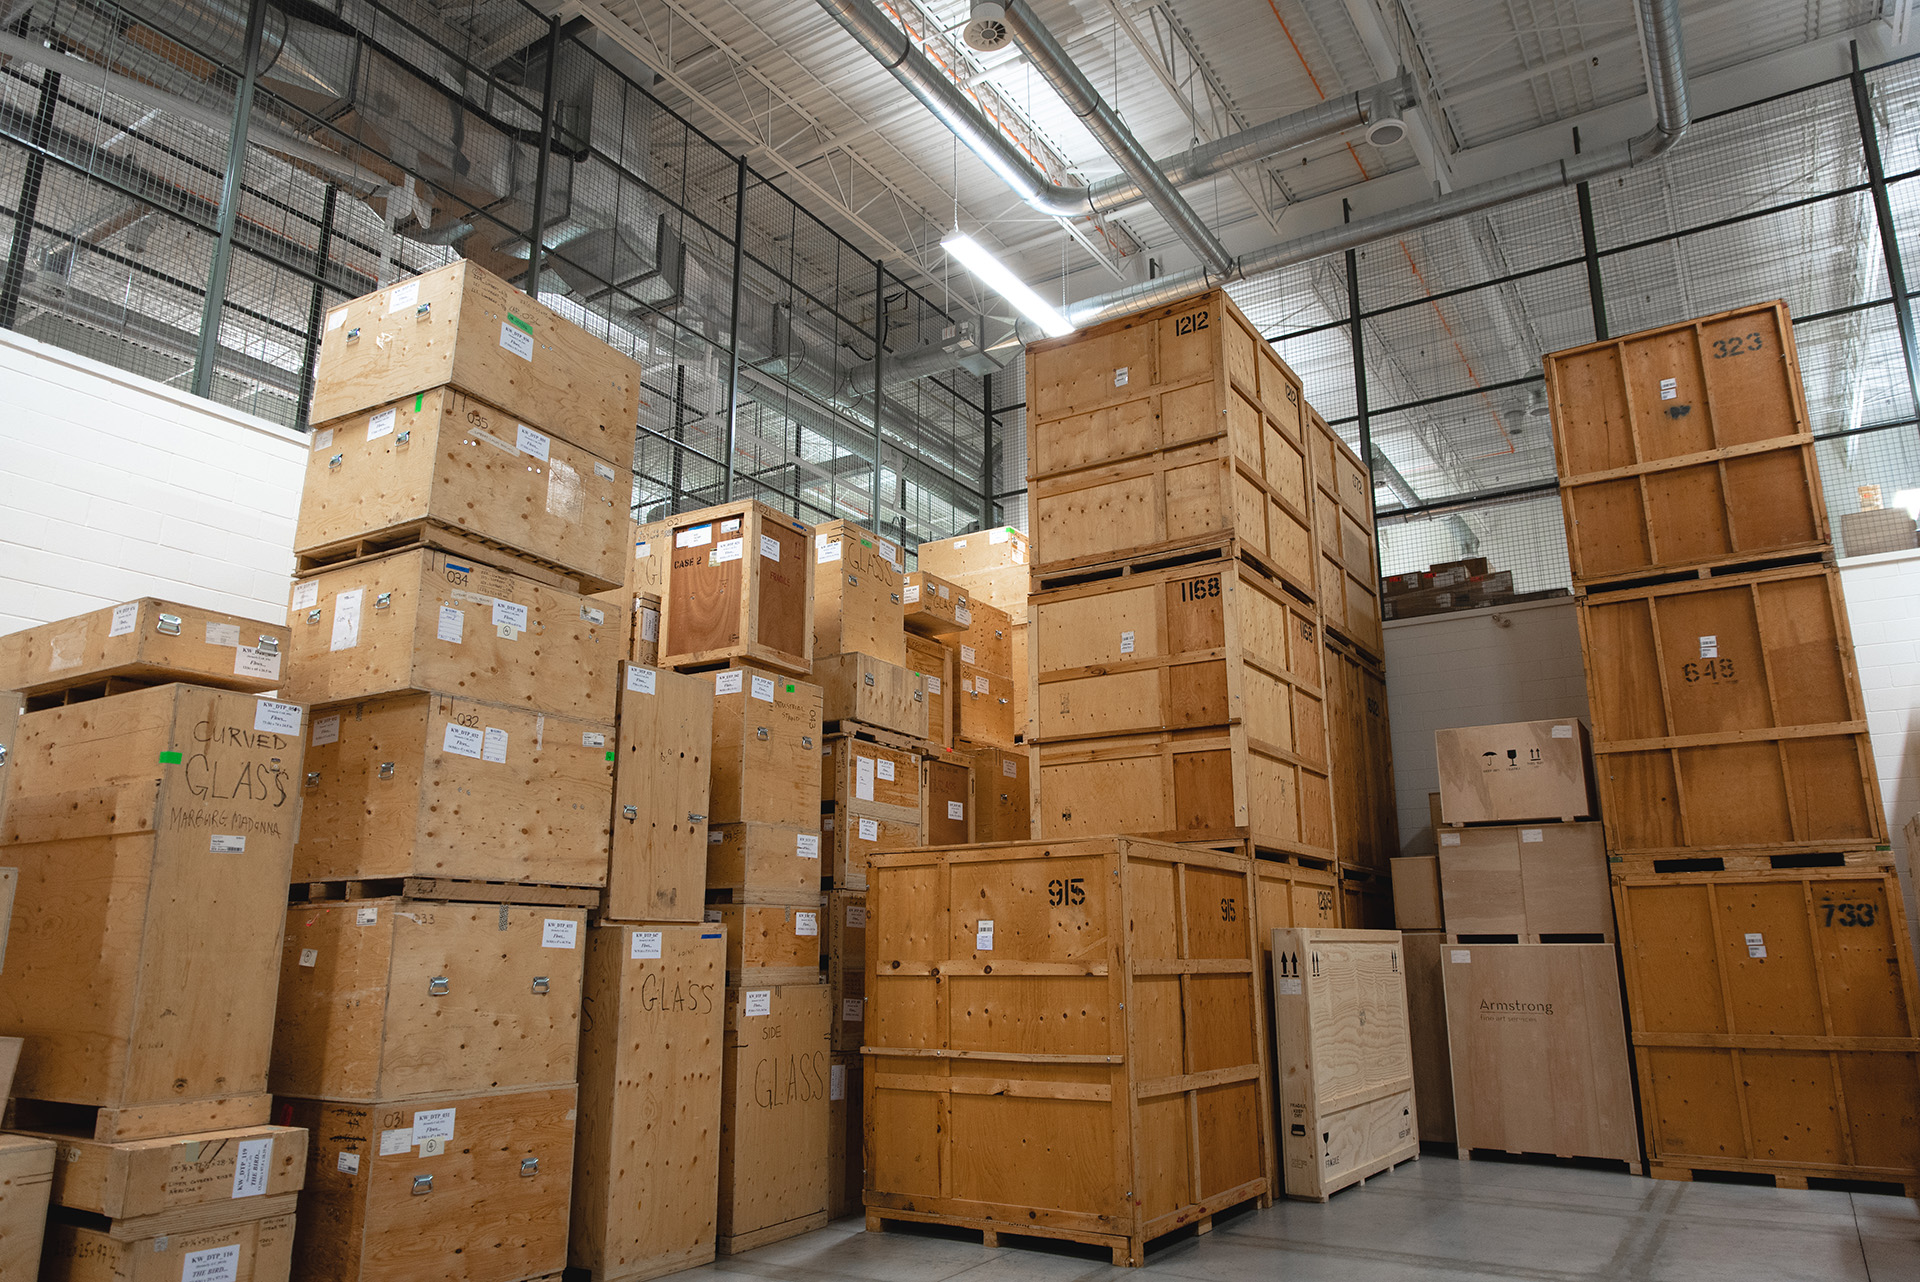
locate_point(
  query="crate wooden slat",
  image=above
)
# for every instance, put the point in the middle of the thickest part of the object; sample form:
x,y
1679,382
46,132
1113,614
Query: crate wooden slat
x,y
1773,1022
149,642
1022,684
1685,445
1349,567
857,599
1127,1113
739,586
11,706
776,1076
661,794
1366,822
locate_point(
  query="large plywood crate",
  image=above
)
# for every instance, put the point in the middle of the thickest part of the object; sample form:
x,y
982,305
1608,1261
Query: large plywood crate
x,y
772,939
1685,445
739,586
136,821
434,785
444,458
873,692
983,709
1425,953
857,599
465,327
1520,884
1727,714
864,778
765,861
766,749
441,1188
26,1175
1773,1023
776,1078
381,999
1349,565
646,1162
1174,426
255,1249
992,566
1345,1071
144,642
662,784
1132,1109
431,621
1366,822
1286,893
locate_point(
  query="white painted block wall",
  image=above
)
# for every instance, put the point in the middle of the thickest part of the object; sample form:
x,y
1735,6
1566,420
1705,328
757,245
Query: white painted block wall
x,y
113,486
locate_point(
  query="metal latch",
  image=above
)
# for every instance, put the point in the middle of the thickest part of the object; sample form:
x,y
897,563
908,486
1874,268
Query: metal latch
x,y
632,813
313,615
761,733
422,1185
806,741
353,335
540,985
919,696
3,754
896,598
268,645
529,1167
691,817
869,678
169,624
383,601
420,312
313,778
437,986
404,437
333,463
386,770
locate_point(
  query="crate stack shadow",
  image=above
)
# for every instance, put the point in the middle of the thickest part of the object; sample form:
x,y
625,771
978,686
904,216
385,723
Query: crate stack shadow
x,y
1769,974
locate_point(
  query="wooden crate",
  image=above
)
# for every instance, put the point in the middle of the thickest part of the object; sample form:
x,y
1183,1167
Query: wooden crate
x,y
1175,424
210,1176
652,554
1211,781
1366,899
438,786
1546,884
428,621
482,1198
1773,1023
1425,953
772,939
857,601
381,999
847,969
646,1162
1417,894
934,662
740,586
1727,714
947,803
661,782
1538,1049
873,692
862,778
1366,820
854,839
1285,894
1346,1068
442,457
846,1165
773,1121
986,643
1349,566
462,326
983,709
930,606
1516,773
764,859
1685,445
259,1249
26,1176
766,749
144,642
991,565
1133,1108
1002,795
137,820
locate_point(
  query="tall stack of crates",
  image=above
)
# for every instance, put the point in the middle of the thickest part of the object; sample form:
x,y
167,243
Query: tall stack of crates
x,y
1769,973
466,490
154,800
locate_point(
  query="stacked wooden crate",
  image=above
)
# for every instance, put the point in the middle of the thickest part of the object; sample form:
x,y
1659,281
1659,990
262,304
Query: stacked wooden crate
x,y
467,488
1769,972
989,567
153,793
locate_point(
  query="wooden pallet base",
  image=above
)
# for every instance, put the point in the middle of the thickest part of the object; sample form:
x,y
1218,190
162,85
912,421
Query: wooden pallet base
x,y
1241,843
139,1122
740,1242
449,889
1749,861
658,1267
427,534
885,738
91,690
1196,552
1908,1187
1785,558
1382,1167
1128,1252
1495,1154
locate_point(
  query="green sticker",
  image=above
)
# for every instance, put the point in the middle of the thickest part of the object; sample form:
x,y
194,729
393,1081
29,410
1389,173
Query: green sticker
x,y
789,689
609,756
419,398
519,324
169,758
865,544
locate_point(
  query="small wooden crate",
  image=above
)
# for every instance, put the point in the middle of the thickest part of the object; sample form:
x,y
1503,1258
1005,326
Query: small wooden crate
x,y
774,1109
1346,1068
948,811
766,749
860,777
764,859
136,820
1425,952
437,786
983,709
26,1176
429,621
481,1197
873,692
930,606
1685,445
1133,1109
854,839
772,938
1728,714
444,458
1545,884
1002,795
462,326
857,600
934,663
847,969
1773,1022
1366,822
986,643
144,642
1520,772
990,565
1349,566
646,1163
382,999
661,782
256,1249
208,1176
740,586
1285,894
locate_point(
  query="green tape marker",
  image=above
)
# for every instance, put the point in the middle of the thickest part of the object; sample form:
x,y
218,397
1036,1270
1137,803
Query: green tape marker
x,y
419,398
169,758
519,324
609,756
789,689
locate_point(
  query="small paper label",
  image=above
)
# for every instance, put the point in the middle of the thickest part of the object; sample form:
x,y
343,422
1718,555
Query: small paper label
x,y
326,729
215,1264
956,810
1563,732
559,932
252,1166
381,424
729,525
463,741
592,739
366,916
126,618
910,594
933,685
825,551
223,634
727,682
592,615
763,689
649,623
963,613
346,619
869,830
967,654
306,595
602,471
1710,647
642,550
806,924
1756,945
697,537
309,957
853,1010
856,917
276,718
642,680
723,551
883,767
401,297
644,945
1126,643
223,844
506,614
252,661
836,1081
1461,956
1449,838
348,1163
888,552
807,845
1532,834
537,444
516,340
434,1123
770,547
453,624
1669,389
983,936
863,778
758,1001
1009,769
1119,380
399,1140
1290,986
493,746
336,318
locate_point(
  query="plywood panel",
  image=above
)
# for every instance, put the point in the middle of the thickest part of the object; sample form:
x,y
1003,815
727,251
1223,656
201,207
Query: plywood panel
x,y
661,797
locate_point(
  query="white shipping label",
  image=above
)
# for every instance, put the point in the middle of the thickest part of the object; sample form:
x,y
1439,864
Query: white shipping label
x,y
1010,769
336,318
346,619
507,614
516,340
697,537
729,525
856,916
910,594
763,689
983,937
723,551
963,614
1119,380
807,845
1532,834
493,746
1756,945
1710,647
251,1168
326,729
463,741
252,661
769,547
642,680
381,424
853,1010
884,768
1462,956
727,682
946,595
869,830
348,1163
434,1123
223,634
537,444
933,685
305,595
323,439
602,471
1563,732
645,945
956,810
649,623
758,1001
276,718
401,297
836,1081
309,957
806,924
398,1140
1290,986
223,844
1126,643
1669,389
453,624
967,654
714,838
558,932
1449,838
824,551
366,916
592,739
127,617
1000,535
863,778
642,550
215,1264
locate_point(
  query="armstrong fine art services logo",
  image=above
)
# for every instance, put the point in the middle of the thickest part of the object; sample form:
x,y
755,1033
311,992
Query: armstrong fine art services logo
x,y
1491,1007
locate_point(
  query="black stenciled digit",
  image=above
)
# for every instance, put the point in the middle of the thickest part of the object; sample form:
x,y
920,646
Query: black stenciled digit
x,y
1227,909
1691,671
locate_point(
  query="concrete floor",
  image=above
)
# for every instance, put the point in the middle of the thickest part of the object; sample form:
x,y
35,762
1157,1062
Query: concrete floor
x,y
1434,1220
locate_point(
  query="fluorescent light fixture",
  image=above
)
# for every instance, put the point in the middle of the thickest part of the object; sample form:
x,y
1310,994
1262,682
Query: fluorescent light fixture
x,y
994,275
